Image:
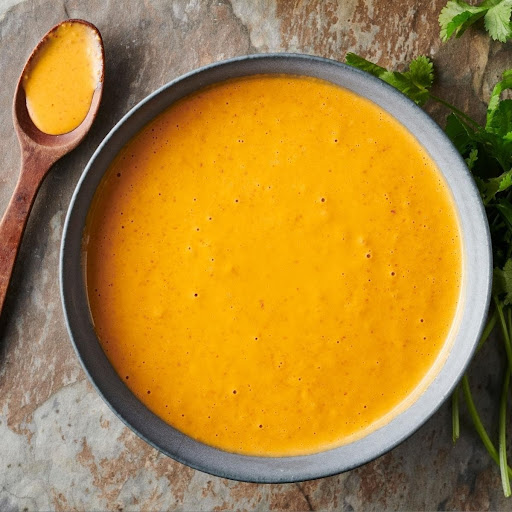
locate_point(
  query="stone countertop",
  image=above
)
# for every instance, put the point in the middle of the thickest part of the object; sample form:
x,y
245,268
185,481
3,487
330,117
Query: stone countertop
x,y
61,448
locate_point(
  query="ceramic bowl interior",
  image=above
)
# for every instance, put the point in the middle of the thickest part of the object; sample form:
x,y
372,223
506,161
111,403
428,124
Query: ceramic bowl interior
x,y
473,308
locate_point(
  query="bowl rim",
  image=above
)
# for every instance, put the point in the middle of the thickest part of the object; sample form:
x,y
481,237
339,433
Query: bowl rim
x,y
166,439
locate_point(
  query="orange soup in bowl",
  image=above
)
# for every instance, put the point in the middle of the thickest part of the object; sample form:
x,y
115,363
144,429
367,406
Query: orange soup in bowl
x,y
274,266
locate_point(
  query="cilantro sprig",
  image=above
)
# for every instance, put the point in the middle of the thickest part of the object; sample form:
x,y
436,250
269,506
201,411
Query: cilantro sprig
x,y
458,15
487,150
414,83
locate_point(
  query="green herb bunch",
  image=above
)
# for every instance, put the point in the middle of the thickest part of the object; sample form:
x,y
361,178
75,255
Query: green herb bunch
x,y
487,150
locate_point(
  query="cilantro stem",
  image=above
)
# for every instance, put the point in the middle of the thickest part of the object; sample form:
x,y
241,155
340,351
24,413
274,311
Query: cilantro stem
x,y
505,331
454,110
489,326
475,417
455,414
497,216
502,445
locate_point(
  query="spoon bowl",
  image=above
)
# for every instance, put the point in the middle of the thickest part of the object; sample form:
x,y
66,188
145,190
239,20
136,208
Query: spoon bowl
x,y
39,151
27,131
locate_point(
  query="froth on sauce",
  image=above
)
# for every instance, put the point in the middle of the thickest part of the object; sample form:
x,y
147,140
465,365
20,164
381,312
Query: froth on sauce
x,y
273,265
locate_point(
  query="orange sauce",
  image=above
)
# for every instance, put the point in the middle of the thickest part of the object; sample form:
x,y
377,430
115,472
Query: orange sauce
x,y
274,265
60,82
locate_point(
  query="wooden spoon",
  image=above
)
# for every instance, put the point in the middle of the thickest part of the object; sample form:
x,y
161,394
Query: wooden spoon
x,y
39,151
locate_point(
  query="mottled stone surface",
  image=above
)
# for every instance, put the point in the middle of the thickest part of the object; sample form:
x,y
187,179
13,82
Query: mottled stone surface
x,y
61,448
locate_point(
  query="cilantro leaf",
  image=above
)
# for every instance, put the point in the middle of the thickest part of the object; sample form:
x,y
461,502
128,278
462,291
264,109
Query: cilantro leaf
x,y
486,192
421,72
414,83
497,149
486,155
502,282
498,126
405,85
500,121
458,15
494,102
504,181
489,188
472,159
497,20
462,136
365,65
505,209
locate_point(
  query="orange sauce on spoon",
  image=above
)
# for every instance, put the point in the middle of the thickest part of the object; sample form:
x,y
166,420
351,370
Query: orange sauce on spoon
x,y
60,82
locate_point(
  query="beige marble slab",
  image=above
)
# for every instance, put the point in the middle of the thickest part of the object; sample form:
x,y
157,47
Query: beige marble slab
x,y
61,448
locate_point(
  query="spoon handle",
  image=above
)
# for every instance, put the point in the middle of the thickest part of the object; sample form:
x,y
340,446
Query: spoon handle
x,y
15,218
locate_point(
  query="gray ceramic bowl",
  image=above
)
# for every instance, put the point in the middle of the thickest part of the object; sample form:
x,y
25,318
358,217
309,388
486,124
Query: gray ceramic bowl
x,y
474,304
